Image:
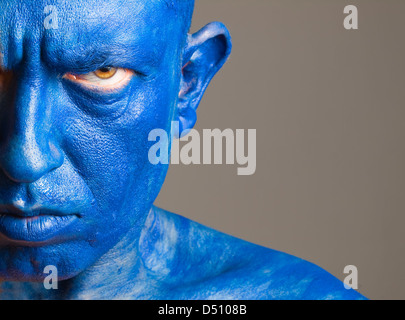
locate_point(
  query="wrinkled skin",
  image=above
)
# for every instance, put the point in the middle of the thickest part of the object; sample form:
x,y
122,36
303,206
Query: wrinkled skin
x,y
69,150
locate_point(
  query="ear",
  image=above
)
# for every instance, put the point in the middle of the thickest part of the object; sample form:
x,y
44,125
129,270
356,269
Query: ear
x,y
205,53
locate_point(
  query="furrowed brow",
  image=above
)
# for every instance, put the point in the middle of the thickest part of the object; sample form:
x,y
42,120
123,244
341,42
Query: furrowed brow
x,y
92,56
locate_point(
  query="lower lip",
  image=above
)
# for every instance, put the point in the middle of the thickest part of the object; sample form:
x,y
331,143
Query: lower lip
x,y
34,229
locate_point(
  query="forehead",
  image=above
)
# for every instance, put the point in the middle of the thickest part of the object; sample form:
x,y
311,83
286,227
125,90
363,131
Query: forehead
x,y
141,25
70,11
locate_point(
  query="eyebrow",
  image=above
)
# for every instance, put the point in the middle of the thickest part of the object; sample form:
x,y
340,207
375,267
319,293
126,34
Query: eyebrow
x,y
95,55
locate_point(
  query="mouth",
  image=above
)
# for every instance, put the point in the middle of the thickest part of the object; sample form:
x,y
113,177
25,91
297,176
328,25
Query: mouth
x,y
39,227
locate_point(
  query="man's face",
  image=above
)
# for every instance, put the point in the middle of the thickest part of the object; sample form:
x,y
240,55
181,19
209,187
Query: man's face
x,y
79,94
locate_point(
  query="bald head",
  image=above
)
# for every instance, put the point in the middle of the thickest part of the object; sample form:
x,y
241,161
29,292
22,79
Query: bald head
x,y
184,10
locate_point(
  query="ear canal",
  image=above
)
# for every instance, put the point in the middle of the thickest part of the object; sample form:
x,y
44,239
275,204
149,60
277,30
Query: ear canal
x,y
206,52
202,66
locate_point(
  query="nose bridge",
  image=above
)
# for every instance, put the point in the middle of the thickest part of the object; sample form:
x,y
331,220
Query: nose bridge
x,y
28,151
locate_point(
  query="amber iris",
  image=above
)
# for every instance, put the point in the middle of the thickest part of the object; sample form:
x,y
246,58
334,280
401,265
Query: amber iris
x,y
106,73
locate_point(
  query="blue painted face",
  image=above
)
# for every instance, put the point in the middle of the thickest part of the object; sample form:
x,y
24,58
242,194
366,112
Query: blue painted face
x,y
77,102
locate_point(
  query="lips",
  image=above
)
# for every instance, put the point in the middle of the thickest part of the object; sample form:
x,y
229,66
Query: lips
x,y
38,226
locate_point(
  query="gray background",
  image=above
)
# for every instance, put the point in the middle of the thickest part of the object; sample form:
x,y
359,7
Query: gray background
x,y
328,106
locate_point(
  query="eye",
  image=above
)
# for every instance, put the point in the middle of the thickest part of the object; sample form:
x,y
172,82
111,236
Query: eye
x,y
106,73
106,78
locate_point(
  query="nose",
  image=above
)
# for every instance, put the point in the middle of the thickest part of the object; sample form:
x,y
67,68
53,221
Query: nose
x,y
27,148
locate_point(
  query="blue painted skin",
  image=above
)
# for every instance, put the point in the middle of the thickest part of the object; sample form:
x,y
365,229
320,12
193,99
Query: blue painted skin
x,y
76,186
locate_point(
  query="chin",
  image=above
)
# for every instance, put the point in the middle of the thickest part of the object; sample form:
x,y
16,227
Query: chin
x,y
27,264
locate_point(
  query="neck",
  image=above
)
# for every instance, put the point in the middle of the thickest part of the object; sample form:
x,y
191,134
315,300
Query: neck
x,y
120,271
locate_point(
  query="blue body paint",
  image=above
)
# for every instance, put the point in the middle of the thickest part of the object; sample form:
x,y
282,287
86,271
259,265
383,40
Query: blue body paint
x,y
76,185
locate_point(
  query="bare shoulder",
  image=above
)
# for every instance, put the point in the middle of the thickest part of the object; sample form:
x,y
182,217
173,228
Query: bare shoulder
x,y
273,275
218,266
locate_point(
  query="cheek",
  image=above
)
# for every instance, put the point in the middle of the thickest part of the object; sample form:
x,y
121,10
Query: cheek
x,y
101,159
112,154
153,110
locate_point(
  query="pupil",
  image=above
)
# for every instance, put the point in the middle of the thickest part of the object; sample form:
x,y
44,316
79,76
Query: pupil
x,y
105,69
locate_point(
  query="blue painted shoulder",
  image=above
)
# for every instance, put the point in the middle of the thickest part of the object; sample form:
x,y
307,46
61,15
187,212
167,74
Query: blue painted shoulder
x,y
207,264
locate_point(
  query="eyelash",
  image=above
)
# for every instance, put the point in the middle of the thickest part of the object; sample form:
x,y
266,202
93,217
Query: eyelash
x,y
93,82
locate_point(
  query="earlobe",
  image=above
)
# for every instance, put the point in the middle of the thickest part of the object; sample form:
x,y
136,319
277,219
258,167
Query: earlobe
x,y
205,53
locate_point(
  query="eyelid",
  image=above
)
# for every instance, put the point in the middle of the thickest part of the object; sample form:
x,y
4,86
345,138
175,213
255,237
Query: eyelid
x,y
123,78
